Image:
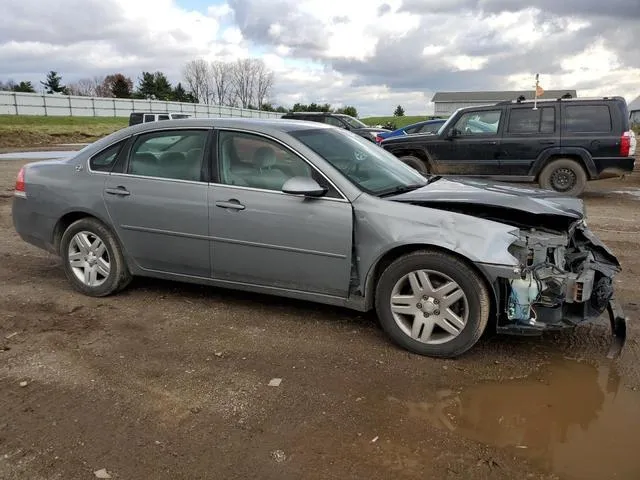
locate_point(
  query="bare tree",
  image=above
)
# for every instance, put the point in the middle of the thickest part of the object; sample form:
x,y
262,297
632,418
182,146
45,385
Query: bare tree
x,y
197,75
264,83
102,87
244,80
85,87
222,82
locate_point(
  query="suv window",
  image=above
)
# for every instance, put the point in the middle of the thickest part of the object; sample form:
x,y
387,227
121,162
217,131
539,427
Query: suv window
x,y
587,119
254,161
485,122
176,155
528,120
334,121
104,160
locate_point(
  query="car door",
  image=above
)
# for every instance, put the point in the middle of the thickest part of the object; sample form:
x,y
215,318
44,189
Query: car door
x,y
475,143
264,237
527,135
158,202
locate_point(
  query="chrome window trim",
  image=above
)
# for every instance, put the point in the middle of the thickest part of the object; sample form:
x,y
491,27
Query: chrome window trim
x,y
277,192
176,180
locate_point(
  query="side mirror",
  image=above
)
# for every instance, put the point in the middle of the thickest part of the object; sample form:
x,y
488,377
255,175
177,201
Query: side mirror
x,y
303,186
453,133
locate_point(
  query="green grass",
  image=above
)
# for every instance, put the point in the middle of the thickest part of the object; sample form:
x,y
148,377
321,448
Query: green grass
x,y
399,122
28,130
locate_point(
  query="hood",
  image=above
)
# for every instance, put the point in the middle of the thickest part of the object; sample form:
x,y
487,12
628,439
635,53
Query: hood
x,y
516,206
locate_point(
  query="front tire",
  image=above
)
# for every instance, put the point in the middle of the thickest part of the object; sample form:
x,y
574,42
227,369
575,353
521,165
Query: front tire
x,y
415,163
565,176
92,258
432,304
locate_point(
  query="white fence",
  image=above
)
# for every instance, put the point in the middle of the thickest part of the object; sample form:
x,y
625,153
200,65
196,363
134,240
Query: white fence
x,y
17,103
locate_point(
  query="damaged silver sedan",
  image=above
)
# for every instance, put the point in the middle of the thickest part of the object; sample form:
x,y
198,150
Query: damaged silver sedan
x,y
303,210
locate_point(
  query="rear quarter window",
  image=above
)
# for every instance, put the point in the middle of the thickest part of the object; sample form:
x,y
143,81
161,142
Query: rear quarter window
x,y
587,119
106,159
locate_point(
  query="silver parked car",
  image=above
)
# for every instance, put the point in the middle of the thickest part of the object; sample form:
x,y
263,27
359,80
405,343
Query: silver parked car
x,y
309,211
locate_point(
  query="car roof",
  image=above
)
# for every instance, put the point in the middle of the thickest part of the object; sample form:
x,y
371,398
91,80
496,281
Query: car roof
x,y
310,113
267,126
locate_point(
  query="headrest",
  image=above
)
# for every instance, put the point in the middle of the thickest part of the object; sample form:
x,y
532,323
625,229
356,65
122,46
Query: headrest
x,y
264,157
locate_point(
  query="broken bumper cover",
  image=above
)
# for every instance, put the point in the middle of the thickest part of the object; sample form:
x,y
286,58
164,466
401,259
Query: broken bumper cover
x,y
618,328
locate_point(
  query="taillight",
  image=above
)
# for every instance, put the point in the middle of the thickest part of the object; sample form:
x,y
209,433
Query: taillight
x,y
378,139
625,144
632,143
20,190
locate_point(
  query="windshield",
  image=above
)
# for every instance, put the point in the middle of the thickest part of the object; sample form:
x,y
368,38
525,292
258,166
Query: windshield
x,y
353,122
447,121
369,167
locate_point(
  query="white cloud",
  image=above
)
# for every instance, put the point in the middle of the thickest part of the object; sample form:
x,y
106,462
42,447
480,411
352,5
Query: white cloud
x,y
373,54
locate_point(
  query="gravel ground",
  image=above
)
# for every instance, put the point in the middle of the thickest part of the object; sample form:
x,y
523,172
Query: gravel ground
x,y
167,380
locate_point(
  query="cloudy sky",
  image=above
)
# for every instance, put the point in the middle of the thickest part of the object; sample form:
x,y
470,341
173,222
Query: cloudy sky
x,y
373,54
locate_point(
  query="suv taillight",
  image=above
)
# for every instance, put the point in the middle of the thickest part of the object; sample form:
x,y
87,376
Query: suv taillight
x,y
378,138
20,187
628,144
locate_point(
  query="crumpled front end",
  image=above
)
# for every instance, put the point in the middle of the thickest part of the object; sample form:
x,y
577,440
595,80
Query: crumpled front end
x,y
566,278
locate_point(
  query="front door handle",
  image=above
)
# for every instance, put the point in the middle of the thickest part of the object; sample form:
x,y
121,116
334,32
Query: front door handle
x,y
232,204
117,191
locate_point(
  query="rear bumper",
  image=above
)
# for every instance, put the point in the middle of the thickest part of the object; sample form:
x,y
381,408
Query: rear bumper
x,y
614,167
30,225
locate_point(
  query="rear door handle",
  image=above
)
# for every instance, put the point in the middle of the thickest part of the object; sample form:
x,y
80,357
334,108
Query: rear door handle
x,y
232,204
547,142
117,191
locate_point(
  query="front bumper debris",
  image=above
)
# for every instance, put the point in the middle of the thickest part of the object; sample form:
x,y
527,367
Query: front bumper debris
x,y
618,329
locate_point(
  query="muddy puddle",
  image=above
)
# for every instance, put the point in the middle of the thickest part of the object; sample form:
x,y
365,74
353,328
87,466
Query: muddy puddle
x,y
571,418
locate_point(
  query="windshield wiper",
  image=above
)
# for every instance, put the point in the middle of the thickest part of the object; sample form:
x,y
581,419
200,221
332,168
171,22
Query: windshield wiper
x,y
433,178
400,189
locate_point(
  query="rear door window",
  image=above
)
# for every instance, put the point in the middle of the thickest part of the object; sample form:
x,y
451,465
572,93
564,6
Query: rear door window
x,y
530,121
587,119
174,155
149,118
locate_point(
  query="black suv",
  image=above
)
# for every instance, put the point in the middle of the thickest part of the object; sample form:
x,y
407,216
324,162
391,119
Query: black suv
x,y
561,144
338,120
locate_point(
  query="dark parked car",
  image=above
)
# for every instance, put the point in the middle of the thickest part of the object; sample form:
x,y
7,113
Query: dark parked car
x,y
561,144
428,126
136,118
346,122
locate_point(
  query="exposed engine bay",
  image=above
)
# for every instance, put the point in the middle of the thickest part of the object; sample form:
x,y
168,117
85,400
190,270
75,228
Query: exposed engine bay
x,y
565,278
565,272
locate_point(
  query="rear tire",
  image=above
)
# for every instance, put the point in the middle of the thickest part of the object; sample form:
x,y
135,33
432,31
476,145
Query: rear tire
x,y
432,304
565,176
415,163
92,258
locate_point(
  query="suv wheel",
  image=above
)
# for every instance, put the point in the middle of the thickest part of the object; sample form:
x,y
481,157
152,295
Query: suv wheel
x,y
432,304
564,175
415,163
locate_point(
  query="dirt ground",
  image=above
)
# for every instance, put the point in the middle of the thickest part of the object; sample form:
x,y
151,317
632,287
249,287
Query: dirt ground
x,y
170,381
